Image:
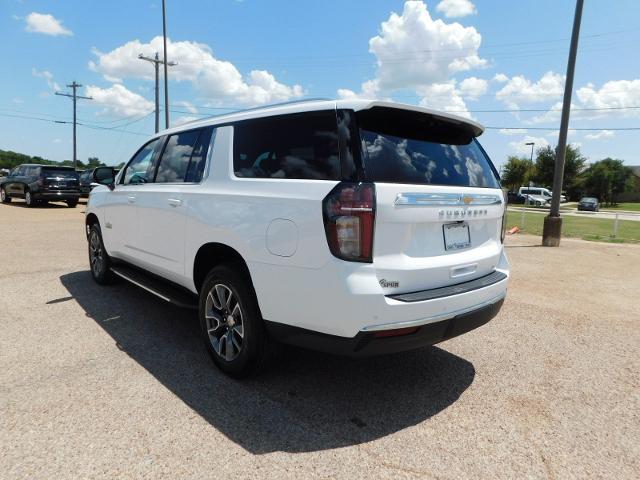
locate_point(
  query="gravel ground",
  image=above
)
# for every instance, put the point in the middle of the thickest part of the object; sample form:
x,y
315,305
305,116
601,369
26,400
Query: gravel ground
x,y
110,382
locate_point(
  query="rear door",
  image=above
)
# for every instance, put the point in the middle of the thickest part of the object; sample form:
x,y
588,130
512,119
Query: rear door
x,y
439,205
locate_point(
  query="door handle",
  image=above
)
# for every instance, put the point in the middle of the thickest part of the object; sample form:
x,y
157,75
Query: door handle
x,y
175,202
131,199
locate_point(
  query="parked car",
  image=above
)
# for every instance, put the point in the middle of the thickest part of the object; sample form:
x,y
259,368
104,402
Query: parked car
x,y
515,198
589,204
541,192
38,184
536,200
353,227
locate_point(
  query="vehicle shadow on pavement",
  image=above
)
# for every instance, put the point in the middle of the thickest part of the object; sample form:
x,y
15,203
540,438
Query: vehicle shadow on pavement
x,y
307,402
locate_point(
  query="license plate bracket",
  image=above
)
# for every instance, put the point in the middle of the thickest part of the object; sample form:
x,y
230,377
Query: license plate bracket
x,y
456,236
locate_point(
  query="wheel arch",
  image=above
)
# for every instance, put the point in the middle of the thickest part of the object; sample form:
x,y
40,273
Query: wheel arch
x,y
211,254
90,219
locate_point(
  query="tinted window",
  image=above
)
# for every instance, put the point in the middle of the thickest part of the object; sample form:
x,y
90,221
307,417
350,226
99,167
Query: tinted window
x,y
138,170
412,147
176,156
288,146
58,172
195,171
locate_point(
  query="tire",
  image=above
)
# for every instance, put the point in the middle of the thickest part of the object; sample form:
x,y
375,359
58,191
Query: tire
x,y
232,326
72,203
99,260
28,199
4,197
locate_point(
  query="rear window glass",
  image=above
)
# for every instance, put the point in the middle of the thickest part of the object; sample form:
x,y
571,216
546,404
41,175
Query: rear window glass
x,y
434,153
59,172
301,146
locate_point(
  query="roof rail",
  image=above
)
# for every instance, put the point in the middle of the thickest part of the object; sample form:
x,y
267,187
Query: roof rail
x,y
262,107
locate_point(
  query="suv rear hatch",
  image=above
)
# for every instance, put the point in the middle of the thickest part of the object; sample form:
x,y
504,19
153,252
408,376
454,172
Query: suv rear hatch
x,y
59,179
439,206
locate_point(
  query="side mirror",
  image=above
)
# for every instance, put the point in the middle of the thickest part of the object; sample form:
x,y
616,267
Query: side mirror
x,y
105,176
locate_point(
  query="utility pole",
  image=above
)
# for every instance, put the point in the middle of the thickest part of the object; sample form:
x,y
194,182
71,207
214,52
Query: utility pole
x,y
156,64
553,222
166,77
74,86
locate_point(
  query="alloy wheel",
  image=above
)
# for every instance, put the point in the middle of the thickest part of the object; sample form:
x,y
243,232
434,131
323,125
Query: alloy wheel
x,y
3,195
224,322
27,198
96,257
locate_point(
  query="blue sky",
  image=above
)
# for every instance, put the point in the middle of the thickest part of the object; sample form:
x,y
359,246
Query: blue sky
x,y
459,55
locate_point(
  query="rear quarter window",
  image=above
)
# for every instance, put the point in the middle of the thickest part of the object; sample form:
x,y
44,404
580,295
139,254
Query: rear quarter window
x,y
297,146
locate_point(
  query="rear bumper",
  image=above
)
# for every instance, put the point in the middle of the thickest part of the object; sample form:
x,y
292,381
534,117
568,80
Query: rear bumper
x,y
57,196
369,343
345,298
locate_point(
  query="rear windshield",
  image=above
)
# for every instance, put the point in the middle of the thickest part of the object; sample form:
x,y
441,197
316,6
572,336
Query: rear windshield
x,y
59,172
406,150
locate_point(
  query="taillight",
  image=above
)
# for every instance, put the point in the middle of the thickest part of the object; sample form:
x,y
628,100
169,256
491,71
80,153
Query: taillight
x,y
349,217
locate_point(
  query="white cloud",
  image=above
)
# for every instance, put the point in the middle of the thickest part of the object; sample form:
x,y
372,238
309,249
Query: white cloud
x,y
473,88
368,90
182,120
513,131
456,8
613,98
118,101
519,90
217,80
522,149
48,76
403,53
500,78
602,134
443,96
188,106
45,23
613,94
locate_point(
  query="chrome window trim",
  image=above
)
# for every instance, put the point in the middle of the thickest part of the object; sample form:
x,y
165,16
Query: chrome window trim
x,y
447,199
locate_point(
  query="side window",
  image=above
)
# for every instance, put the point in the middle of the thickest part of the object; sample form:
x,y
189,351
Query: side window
x,y
195,171
303,146
138,171
176,156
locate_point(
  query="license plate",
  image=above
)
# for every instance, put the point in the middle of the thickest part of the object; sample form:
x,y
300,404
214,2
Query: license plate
x,y
456,236
62,184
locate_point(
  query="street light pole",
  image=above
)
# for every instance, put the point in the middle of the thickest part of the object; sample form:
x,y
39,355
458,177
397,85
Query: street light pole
x,y
530,161
553,222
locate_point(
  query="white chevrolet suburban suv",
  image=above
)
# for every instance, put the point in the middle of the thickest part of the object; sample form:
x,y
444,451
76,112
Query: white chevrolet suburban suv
x,y
354,227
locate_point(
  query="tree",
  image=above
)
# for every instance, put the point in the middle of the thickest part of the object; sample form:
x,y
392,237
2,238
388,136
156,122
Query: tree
x,y
573,167
608,178
516,172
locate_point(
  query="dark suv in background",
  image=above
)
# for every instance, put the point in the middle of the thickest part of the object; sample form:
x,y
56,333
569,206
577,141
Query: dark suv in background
x,y
38,184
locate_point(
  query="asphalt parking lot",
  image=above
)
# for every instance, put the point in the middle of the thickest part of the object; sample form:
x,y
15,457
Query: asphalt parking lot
x,y
110,382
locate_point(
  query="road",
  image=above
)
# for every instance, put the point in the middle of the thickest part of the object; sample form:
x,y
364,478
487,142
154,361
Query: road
x,y
109,382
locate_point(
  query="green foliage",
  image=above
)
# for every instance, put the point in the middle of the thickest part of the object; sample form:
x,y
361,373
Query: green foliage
x,y
516,172
573,167
9,159
608,178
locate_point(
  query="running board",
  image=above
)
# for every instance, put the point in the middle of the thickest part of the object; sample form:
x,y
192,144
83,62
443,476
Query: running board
x,y
154,285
